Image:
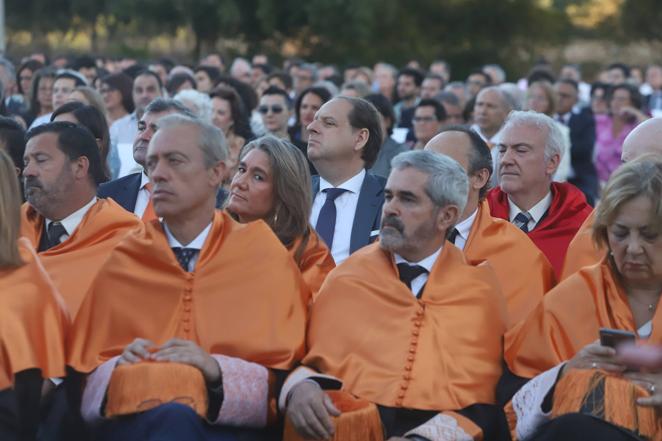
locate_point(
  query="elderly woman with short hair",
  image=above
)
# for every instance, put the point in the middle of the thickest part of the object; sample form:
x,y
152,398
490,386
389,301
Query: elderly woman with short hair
x,y
579,388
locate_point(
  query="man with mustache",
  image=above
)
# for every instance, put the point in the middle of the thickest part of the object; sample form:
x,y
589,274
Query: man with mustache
x,y
406,325
189,324
483,237
133,192
530,147
71,228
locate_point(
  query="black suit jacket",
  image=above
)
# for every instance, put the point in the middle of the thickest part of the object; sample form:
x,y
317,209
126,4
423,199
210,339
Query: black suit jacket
x,y
368,214
582,140
125,190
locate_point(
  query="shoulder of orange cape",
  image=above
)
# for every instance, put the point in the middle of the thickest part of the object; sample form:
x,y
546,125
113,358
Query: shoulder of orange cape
x,y
366,328
245,286
569,318
582,251
316,262
33,318
74,263
523,271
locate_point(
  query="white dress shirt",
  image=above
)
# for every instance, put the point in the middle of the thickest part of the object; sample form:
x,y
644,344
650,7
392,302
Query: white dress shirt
x,y
123,133
143,196
41,120
195,244
464,229
427,263
536,212
71,222
345,211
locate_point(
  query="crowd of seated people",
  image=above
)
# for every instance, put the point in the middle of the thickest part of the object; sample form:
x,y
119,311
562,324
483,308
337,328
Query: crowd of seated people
x,y
298,254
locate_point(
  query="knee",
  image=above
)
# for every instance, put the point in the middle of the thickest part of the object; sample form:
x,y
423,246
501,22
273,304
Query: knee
x,y
174,413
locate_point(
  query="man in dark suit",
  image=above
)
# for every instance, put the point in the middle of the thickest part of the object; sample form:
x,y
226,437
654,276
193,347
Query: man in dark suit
x,y
344,141
132,192
582,138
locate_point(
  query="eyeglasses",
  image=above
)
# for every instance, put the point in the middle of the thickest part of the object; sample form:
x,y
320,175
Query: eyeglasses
x,y
274,109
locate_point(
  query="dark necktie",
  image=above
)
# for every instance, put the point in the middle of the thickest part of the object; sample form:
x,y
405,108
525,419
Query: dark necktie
x,y
184,256
522,220
409,272
326,222
453,236
55,232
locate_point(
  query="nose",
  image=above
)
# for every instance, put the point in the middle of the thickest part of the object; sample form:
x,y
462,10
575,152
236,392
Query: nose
x,y
312,127
506,157
634,244
389,208
29,170
239,181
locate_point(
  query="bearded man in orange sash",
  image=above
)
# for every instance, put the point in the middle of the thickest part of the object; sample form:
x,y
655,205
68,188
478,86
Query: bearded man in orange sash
x,y
188,327
483,237
406,328
71,228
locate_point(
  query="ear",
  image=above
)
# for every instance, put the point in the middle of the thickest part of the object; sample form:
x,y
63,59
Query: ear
x,y
81,167
479,179
447,217
217,174
361,138
18,172
552,165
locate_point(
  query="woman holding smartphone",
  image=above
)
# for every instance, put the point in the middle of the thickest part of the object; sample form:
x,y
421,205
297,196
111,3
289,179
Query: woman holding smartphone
x,y
577,388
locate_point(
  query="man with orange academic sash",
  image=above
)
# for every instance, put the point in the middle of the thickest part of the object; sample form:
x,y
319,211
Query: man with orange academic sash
x,y
483,237
189,325
645,138
407,328
531,146
72,229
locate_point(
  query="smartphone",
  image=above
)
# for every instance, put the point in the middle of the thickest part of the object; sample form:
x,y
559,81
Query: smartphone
x,y
615,337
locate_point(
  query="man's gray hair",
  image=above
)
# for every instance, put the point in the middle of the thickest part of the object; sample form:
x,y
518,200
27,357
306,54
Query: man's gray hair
x,y
447,181
9,67
200,100
556,143
506,96
160,105
498,70
211,140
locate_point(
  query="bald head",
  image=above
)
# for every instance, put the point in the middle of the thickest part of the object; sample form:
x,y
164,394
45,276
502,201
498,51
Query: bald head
x,y
469,149
645,138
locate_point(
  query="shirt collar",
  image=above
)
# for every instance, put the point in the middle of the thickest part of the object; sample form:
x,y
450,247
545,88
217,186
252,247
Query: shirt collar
x,y
144,180
536,212
71,222
353,184
196,243
464,227
426,263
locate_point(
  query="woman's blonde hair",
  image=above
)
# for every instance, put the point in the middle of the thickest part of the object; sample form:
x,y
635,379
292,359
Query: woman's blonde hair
x,y
291,188
641,177
549,92
10,213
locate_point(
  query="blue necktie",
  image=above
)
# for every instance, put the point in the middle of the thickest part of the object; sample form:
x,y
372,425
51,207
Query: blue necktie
x,y
184,256
55,231
409,272
326,222
522,220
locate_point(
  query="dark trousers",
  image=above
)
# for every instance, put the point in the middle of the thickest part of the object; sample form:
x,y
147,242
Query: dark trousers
x,y
579,427
171,421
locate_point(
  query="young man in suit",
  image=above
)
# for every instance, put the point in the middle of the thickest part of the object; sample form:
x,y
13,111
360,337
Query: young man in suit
x,y
344,141
582,138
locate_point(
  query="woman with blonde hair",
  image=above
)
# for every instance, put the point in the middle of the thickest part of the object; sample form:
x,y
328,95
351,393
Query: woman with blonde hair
x,y
32,317
272,183
579,389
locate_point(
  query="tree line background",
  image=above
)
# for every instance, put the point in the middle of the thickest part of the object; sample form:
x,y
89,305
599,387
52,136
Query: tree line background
x,y
467,33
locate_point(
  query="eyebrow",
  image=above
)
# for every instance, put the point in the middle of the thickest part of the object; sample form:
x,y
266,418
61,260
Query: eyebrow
x,y
517,144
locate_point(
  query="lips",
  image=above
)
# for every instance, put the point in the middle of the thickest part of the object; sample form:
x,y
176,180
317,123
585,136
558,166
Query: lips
x,y
238,196
160,193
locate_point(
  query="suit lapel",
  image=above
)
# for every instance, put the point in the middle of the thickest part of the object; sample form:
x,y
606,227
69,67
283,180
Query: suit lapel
x,y
368,211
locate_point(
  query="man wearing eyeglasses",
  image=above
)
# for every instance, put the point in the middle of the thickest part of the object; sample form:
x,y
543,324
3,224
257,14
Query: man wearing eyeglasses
x,y
429,119
275,110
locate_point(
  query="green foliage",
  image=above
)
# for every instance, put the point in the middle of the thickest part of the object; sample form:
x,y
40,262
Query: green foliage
x,y
465,32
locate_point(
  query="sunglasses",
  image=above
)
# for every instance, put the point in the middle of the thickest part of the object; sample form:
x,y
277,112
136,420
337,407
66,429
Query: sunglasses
x,y
275,109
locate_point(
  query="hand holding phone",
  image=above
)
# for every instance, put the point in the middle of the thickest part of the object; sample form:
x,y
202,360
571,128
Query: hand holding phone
x,y
615,337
